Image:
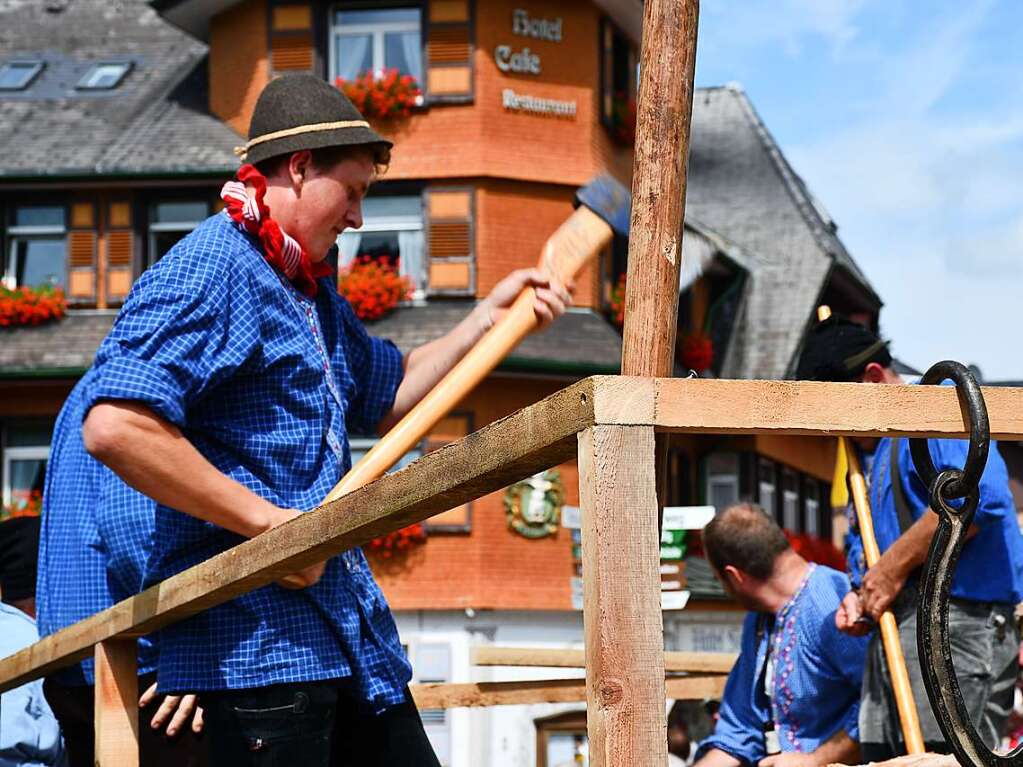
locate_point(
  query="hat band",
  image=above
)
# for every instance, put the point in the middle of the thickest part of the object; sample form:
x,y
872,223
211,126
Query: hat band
x,y
852,363
242,151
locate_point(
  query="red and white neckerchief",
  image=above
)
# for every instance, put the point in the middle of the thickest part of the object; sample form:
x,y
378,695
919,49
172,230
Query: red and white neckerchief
x,y
281,250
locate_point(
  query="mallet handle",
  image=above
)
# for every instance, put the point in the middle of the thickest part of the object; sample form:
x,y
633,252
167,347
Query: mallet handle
x,y
564,255
908,717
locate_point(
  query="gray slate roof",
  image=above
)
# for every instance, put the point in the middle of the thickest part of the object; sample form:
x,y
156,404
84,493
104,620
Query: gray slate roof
x,y
153,123
742,187
580,343
64,348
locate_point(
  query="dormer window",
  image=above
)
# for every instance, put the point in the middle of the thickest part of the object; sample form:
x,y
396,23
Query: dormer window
x,y
18,75
104,76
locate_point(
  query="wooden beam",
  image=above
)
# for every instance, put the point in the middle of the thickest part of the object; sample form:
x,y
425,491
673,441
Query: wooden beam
x,y
117,704
533,439
533,691
622,598
691,662
799,407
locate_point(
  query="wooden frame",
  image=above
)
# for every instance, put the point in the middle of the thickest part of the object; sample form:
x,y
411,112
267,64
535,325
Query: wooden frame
x,y
534,438
511,449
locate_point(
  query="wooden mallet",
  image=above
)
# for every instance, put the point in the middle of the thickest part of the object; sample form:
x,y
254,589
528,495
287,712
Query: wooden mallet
x,y
603,210
904,702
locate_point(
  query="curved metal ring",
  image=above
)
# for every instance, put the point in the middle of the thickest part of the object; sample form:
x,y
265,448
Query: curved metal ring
x,y
933,638
972,402
932,613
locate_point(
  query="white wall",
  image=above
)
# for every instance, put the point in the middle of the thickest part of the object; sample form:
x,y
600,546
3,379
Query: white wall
x,y
505,736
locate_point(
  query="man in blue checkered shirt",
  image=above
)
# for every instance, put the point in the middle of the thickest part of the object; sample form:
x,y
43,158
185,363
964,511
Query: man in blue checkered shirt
x,y
225,392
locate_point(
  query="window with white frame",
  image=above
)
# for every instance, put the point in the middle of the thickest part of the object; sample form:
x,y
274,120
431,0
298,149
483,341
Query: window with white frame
x,y
26,448
766,485
359,446
722,488
392,231
375,40
431,664
37,247
169,221
811,507
790,501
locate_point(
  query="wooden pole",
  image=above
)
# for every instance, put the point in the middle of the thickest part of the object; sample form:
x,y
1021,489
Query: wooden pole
x,y
619,475
908,716
117,704
665,110
624,635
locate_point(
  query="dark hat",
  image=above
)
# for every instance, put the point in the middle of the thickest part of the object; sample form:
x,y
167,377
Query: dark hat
x,y
839,349
19,554
296,112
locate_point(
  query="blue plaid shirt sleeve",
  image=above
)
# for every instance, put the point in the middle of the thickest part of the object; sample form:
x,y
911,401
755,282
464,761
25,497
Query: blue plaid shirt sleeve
x,y
377,367
177,337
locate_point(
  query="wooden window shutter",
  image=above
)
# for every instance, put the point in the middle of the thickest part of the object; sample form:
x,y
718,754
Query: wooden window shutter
x,y
292,44
120,251
81,255
451,237
449,51
455,426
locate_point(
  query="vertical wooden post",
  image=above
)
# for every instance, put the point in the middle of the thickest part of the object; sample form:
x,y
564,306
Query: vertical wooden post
x,y
625,690
667,64
117,704
618,472
668,60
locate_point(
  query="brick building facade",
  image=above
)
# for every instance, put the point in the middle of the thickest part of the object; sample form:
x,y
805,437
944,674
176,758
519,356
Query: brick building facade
x,y
119,120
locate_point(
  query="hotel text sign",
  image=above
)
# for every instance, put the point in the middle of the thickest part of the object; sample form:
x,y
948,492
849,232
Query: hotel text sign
x,y
526,62
524,25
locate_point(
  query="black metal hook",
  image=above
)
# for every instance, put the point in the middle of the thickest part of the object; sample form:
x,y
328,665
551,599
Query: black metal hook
x,y
953,525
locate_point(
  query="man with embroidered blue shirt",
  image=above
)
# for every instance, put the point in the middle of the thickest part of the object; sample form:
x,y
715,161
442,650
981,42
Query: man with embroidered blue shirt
x,y
986,586
226,392
792,698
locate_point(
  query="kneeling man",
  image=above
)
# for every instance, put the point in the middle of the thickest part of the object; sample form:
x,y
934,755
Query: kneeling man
x,y
792,698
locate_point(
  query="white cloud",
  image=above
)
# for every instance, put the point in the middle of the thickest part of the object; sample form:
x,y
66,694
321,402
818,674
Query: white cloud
x,y
787,23
927,194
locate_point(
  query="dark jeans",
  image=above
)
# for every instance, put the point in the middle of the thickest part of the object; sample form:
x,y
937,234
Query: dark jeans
x,y
74,709
984,641
312,724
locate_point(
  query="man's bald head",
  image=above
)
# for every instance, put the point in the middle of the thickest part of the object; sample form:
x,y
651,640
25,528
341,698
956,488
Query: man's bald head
x,y
745,537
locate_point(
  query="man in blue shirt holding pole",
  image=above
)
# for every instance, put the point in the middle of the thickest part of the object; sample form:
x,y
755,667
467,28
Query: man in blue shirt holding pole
x,y
226,392
986,586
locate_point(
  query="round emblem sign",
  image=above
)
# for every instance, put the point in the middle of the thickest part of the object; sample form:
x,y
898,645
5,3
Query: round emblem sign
x,y
533,506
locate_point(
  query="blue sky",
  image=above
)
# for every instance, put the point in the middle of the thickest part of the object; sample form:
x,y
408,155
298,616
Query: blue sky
x,y
906,121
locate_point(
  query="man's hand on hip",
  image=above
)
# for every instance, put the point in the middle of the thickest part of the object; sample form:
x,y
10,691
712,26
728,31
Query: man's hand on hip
x,y
176,710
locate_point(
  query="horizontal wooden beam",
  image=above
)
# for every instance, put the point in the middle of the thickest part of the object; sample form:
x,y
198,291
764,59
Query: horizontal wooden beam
x,y
530,440
691,662
474,694
708,406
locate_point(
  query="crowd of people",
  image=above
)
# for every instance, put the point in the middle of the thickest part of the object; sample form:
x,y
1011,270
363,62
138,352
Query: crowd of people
x,y
219,407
